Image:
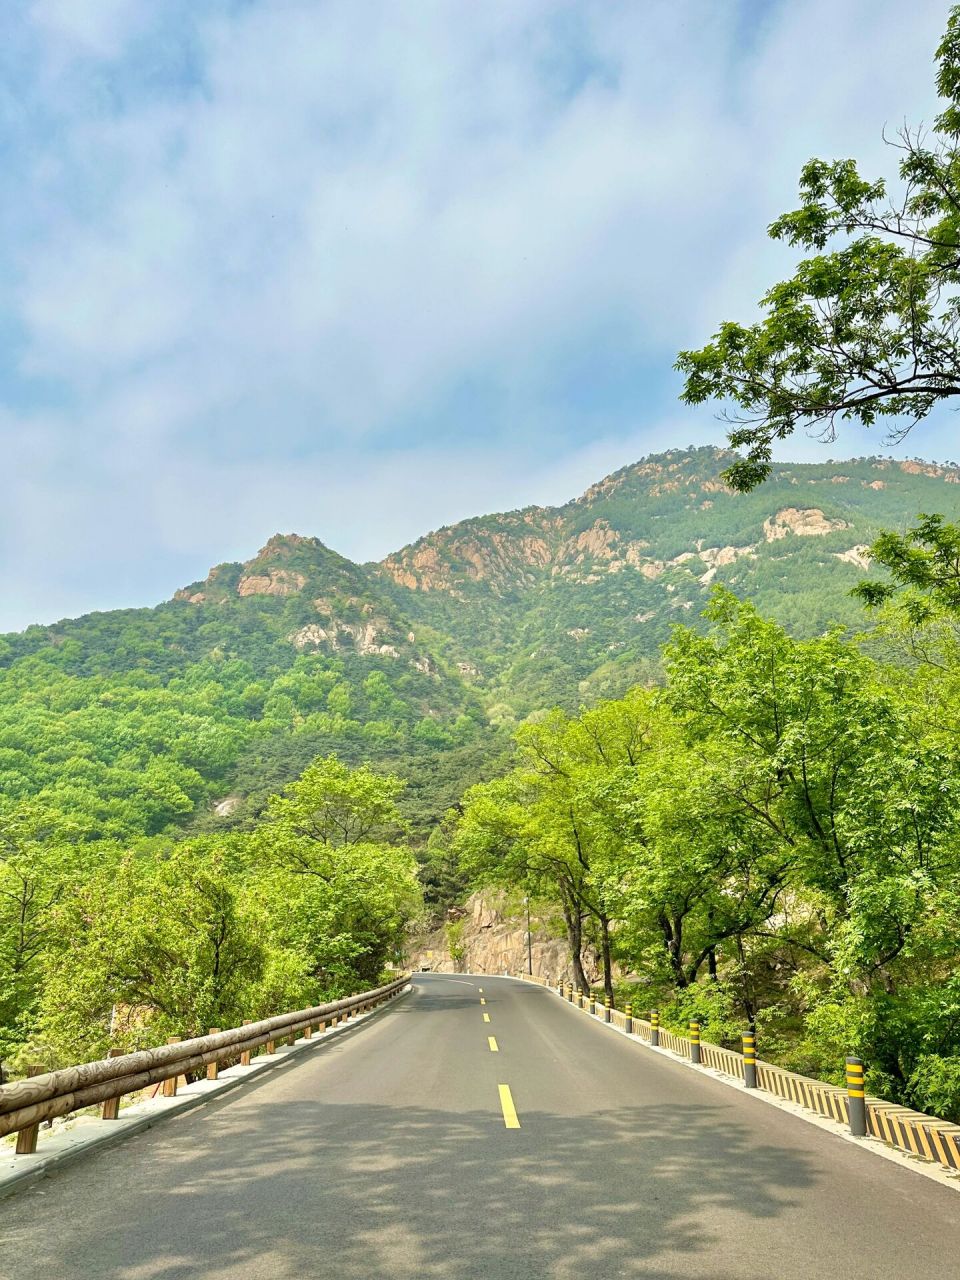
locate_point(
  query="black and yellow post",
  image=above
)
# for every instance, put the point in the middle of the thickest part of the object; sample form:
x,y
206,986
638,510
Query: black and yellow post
x,y
628,1019
607,1005
655,1027
695,1042
570,992
593,1004
750,1057
856,1098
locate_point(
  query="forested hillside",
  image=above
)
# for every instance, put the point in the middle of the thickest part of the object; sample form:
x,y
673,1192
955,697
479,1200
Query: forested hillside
x,y
191,713
151,760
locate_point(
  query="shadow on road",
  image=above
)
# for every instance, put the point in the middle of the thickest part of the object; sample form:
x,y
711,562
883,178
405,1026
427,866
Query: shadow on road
x,y
303,1190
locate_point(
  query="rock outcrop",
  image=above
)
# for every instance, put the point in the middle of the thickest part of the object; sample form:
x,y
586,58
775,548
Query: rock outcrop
x,y
809,522
493,941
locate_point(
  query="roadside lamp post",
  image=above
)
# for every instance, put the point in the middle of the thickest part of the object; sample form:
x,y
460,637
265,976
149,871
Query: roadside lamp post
x,y
526,903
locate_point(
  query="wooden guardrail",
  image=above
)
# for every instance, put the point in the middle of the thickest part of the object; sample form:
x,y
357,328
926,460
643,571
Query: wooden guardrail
x,y
25,1104
921,1135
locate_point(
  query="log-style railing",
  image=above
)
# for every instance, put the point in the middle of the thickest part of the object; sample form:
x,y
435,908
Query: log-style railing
x,y
25,1104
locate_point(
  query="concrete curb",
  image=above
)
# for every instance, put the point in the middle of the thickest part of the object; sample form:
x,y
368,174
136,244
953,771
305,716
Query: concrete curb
x,y
82,1136
874,1146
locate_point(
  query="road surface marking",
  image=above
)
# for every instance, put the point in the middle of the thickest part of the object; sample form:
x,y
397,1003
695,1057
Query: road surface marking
x,y
494,1047
482,1001
486,1017
510,1120
480,989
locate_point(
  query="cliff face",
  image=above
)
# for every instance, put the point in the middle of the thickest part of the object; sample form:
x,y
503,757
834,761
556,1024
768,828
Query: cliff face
x,y
487,939
561,605
597,533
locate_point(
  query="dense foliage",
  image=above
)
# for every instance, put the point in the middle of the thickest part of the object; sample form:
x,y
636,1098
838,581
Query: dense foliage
x,y
773,835
151,882
124,943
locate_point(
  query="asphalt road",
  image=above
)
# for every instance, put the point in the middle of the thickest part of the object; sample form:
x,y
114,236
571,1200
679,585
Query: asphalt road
x,y
387,1154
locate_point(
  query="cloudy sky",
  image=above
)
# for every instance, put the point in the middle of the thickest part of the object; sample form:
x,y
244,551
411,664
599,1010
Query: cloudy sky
x,y
359,268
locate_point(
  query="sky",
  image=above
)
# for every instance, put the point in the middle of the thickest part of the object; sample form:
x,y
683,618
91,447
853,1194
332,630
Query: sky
x,y
362,268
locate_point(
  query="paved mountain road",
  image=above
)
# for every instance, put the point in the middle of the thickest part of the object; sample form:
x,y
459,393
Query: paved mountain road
x,y
385,1154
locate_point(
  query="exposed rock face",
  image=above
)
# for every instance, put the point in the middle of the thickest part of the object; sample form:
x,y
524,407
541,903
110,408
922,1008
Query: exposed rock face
x,y
807,522
717,557
493,942
277,582
859,556
362,637
479,554
914,468
225,807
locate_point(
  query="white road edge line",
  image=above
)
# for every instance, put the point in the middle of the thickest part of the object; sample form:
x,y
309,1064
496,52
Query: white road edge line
x,y
926,1168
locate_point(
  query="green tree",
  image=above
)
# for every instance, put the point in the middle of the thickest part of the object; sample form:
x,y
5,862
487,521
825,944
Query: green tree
x,y
867,331
148,948
336,829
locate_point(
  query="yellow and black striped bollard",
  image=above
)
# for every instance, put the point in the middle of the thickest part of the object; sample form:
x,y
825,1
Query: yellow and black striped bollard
x,y
655,1027
750,1057
592,1008
628,1019
856,1098
695,1042
570,992
607,1005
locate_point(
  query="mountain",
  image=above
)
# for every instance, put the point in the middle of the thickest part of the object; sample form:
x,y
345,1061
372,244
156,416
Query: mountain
x,y
189,713
573,602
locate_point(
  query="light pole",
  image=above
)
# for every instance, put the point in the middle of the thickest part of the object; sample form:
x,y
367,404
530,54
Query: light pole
x,y
526,903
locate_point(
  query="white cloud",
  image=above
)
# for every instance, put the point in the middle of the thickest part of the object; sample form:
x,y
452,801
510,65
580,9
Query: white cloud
x,y
343,259
96,27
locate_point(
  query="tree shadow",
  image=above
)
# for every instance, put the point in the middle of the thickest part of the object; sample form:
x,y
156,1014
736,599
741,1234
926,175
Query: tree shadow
x,y
295,1189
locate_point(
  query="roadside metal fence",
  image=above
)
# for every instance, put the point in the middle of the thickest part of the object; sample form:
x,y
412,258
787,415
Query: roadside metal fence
x,y
920,1135
26,1104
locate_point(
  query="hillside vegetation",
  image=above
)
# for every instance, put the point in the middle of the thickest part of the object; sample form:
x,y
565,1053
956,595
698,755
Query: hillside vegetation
x,y
188,715
149,758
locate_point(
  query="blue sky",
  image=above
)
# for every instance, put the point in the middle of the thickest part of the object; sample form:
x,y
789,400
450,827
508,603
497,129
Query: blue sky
x,y
361,268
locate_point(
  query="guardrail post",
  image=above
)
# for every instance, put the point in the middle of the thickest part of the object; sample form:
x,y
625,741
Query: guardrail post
x,y
111,1107
856,1098
213,1068
655,1027
27,1138
607,1004
695,1042
245,1054
592,1005
570,992
750,1057
170,1084
628,1019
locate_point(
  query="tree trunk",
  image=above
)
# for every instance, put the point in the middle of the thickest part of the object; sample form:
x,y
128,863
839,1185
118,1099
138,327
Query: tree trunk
x,y
605,956
574,922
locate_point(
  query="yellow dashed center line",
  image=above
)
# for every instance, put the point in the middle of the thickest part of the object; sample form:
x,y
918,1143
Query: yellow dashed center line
x,y
494,1047
486,1017
482,1001
510,1119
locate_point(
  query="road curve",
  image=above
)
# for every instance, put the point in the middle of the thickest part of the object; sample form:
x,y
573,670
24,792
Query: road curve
x,y
391,1153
